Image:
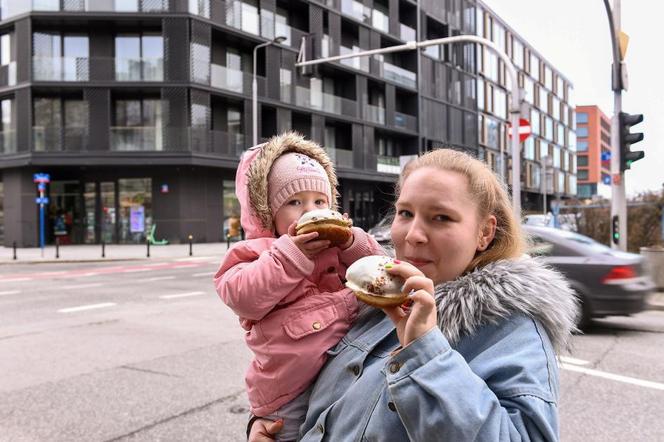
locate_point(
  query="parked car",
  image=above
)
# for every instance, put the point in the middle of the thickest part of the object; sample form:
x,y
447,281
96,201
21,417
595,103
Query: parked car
x,y
381,231
608,282
566,221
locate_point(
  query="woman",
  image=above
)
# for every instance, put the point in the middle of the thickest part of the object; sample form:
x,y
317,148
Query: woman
x,y
473,357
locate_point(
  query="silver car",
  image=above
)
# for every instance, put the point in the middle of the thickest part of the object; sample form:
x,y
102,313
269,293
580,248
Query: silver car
x,y
608,282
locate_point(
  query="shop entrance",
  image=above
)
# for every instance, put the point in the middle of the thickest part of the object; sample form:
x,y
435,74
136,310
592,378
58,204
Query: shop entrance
x,y
94,211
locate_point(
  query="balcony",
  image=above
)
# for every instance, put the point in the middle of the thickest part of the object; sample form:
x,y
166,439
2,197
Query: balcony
x,y
434,51
405,121
361,63
387,164
139,69
214,142
340,157
325,102
375,114
356,10
380,21
399,75
8,74
13,8
407,33
59,139
249,19
61,68
7,141
147,138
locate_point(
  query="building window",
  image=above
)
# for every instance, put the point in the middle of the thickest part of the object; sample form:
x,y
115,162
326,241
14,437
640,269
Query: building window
x,y
582,160
60,57
137,125
582,146
581,117
231,212
534,67
582,174
59,124
7,126
581,131
139,57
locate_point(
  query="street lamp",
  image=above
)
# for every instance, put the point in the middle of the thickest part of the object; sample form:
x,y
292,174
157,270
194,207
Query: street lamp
x,y
254,87
516,95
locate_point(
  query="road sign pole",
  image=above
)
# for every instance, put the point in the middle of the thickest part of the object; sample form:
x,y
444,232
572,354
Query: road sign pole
x,y
41,227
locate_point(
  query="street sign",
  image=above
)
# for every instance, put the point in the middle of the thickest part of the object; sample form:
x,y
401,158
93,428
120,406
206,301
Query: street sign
x,y
41,200
606,155
41,178
606,179
524,129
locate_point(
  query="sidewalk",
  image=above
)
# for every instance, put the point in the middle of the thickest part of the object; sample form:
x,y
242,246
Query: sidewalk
x,y
656,302
112,252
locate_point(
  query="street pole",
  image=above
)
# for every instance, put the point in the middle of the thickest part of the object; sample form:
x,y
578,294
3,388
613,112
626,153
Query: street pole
x,y
254,88
545,182
618,199
516,95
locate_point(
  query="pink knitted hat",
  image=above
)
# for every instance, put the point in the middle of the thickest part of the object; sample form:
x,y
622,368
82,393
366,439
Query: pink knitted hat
x,y
292,173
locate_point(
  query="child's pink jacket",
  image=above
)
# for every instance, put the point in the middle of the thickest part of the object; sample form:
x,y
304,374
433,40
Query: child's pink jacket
x,y
294,309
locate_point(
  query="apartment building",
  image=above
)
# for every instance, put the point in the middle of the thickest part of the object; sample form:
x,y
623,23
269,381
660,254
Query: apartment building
x,y
139,109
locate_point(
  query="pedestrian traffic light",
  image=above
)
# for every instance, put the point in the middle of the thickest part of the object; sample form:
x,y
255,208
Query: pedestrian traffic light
x,y
615,232
627,156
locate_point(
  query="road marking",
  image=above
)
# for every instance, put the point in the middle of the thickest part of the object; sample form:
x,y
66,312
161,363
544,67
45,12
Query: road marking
x,y
10,292
574,361
613,377
88,274
15,279
194,258
81,286
86,307
185,266
137,270
156,278
182,295
196,275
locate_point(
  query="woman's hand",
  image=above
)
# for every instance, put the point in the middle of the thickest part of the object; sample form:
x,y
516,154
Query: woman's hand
x,y
263,430
418,314
307,242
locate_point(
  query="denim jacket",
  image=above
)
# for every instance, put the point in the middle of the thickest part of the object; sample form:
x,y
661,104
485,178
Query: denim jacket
x,y
492,376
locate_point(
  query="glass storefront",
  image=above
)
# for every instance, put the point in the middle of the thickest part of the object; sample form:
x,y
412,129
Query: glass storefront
x,y
92,212
135,209
2,214
231,214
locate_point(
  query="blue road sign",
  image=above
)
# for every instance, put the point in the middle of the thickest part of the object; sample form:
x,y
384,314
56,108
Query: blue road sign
x,y
41,200
606,155
606,179
41,178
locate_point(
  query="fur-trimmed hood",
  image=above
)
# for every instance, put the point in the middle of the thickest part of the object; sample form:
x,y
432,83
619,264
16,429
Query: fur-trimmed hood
x,y
493,292
252,173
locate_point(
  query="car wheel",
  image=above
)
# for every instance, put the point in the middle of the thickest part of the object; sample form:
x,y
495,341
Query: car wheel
x,y
584,317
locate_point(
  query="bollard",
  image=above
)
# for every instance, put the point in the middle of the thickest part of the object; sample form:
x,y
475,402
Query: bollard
x,y
57,248
103,249
147,243
191,251
14,246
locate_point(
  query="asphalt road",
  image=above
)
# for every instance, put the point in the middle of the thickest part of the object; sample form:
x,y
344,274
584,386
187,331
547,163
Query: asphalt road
x,y
144,350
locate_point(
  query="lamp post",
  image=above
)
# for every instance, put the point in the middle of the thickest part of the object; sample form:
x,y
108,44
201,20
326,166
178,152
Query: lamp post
x,y
254,88
516,95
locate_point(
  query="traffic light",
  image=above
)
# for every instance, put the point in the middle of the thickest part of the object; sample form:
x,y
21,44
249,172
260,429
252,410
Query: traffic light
x,y
615,232
627,156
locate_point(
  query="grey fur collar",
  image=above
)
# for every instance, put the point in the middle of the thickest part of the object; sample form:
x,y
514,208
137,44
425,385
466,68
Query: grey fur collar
x,y
493,292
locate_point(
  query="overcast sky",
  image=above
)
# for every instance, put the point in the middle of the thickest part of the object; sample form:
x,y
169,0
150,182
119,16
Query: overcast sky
x,y
573,35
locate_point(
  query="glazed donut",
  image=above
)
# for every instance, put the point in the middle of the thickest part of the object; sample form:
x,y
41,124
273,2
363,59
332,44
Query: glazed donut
x,y
330,225
369,280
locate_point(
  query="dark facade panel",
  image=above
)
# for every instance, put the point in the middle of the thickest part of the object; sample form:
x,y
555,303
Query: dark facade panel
x,y
23,102
100,120
176,49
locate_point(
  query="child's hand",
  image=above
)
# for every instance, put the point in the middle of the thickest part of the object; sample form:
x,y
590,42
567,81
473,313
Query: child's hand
x,y
307,243
352,235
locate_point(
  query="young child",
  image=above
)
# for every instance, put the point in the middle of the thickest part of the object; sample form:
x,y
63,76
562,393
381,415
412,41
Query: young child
x,y
287,290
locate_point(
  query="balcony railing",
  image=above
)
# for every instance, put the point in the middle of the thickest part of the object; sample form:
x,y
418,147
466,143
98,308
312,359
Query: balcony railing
x,y
387,164
433,51
380,21
341,157
59,139
356,10
398,74
7,141
249,19
405,121
15,7
61,68
407,33
8,74
326,102
375,114
147,138
361,63
139,69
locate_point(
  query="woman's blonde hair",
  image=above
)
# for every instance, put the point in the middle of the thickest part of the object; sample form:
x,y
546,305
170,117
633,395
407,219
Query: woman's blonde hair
x,y
490,195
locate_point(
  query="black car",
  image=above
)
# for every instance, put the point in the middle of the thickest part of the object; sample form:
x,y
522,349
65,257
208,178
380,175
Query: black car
x,y
608,282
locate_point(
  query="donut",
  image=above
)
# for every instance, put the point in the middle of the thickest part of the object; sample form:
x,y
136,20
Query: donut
x,y
372,284
330,225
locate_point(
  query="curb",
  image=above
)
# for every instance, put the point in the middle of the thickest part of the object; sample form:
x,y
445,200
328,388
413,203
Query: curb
x,y
72,261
